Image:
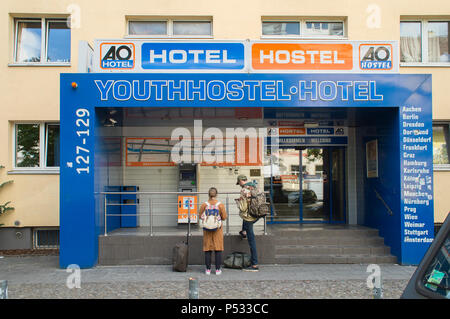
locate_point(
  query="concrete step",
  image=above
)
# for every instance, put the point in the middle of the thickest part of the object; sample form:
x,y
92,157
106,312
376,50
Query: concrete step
x,y
333,233
335,259
332,240
331,250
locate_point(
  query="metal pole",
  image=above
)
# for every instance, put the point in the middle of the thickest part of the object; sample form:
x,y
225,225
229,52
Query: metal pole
x,y
3,289
378,288
228,219
150,203
150,210
265,225
105,204
193,288
189,219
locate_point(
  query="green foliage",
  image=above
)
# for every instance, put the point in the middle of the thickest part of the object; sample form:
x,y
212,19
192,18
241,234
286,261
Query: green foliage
x,y
5,207
28,145
314,154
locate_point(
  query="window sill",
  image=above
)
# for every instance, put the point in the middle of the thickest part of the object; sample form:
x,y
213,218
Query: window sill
x,y
426,65
167,37
305,37
441,167
34,171
40,64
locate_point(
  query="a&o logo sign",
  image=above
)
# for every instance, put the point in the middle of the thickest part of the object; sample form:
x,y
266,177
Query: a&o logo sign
x,y
375,56
117,56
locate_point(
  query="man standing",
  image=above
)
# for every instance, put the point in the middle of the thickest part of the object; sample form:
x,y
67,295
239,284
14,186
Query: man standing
x,y
248,190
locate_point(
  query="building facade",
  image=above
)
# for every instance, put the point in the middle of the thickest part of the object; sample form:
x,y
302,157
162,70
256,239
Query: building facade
x,y
39,46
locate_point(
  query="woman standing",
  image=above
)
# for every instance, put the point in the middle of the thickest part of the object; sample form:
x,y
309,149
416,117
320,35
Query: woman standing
x,y
213,239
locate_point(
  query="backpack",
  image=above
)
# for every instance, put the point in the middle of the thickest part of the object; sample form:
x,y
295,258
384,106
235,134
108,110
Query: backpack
x,y
210,219
258,206
237,260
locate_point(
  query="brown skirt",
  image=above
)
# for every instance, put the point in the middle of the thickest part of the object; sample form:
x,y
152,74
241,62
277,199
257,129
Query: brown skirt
x,y
213,240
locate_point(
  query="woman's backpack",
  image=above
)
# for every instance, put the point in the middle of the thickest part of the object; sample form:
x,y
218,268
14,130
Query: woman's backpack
x,y
210,219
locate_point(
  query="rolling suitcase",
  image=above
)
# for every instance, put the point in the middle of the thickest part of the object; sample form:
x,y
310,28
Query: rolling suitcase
x,y
181,252
180,257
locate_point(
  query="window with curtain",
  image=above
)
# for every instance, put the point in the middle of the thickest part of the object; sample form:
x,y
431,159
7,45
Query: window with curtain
x,y
411,42
438,41
303,27
424,41
170,28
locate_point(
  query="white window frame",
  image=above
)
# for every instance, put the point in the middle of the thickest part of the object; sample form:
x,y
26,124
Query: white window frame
x,y
169,27
42,168
302,34
441,167
44,42
424,44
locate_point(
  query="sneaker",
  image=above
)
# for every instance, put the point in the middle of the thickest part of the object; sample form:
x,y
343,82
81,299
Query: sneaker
x,y
208,272
253,268
243,234
218,271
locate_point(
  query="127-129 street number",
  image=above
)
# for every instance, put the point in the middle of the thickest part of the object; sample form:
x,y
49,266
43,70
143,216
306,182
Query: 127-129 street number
x,y
82,153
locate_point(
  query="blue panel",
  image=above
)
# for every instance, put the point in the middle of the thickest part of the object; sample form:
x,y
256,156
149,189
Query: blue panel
x,y
81,212
129,221
114,208
226,56
78,222
385,189
416,142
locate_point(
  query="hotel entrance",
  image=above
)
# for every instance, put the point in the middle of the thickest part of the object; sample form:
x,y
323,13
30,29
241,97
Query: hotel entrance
x,y
307,185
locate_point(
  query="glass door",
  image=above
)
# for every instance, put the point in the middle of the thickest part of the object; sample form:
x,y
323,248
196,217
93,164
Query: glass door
x,y
338,204
315,184
307,185
284,185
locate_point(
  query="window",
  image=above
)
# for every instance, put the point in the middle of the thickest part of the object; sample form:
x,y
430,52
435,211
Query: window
x,y
170,28
441,144
424,41
281,28
41,41
303,28
46,238
325,28
36,145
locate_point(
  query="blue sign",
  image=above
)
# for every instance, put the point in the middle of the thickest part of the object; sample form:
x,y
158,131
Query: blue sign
x,y
307,140
403,131
320,131
191,56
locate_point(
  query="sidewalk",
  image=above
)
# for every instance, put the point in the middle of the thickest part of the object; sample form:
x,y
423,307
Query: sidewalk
x,y
41,277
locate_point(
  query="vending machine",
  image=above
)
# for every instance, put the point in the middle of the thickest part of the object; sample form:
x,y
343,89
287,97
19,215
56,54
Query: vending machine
x,y
187,183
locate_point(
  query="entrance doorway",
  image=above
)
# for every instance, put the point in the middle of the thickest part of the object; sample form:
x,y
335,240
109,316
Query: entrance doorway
x,y
307,185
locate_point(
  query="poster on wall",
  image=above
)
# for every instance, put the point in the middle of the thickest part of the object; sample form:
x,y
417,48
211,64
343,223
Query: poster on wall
x,y
372,158
149,151
157,151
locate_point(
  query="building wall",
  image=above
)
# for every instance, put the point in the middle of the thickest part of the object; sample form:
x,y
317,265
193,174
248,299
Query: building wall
x,y
32,92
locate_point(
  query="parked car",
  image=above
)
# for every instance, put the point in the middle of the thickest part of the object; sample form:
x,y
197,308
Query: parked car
x,y
431,278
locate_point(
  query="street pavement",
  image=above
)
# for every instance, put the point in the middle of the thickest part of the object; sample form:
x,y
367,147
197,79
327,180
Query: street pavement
x,y
41,277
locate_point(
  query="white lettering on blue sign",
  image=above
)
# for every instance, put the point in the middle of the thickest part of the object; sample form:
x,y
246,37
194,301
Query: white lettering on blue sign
x,y
191,56
236,90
